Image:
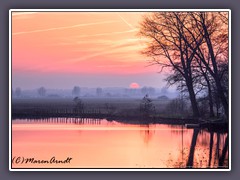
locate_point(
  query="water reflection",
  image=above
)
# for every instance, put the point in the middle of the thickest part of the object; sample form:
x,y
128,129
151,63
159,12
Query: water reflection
x,y
192,148
215,157
61,120
148,132
114,144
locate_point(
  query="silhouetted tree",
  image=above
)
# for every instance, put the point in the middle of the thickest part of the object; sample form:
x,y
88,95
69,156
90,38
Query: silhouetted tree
x,y
193,45
76,91
192,148
13,93
177,106
214,49
18,91
224,152
203,106
110,109
210,149
79,105
146,106
168,48
208,84
217,46
42,91
99,91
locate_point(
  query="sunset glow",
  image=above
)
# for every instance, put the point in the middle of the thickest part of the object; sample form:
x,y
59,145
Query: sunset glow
x,y
134,85
77,43
119,89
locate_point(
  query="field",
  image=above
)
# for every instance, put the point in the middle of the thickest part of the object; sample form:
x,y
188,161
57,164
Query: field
x,y
89,103
124,109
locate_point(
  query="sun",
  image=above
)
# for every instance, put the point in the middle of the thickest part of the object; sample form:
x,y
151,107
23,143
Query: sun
x,y
134,85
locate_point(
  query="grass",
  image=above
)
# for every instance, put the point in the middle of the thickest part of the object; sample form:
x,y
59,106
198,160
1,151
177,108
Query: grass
x,y
119,109
110,108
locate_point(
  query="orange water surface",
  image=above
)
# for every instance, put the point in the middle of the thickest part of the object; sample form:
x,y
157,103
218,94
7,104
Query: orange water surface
x,y
93,143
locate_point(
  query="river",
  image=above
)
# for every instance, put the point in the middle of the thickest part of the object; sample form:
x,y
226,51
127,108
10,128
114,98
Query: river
x,y
95,143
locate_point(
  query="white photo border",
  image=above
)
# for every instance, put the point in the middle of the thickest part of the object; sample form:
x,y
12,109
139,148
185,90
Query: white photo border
x,y
113,10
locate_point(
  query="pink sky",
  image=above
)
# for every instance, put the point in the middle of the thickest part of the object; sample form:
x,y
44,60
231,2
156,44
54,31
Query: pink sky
x,y
78,43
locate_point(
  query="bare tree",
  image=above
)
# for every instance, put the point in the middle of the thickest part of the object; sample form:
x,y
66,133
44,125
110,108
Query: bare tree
x,y
79,105
213,51
99,91
168,47
194,45
146,106
13,93
18,91
76,91
42,91
177,106
205,80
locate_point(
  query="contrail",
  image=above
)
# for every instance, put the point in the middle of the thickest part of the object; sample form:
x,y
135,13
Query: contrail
x,y
64,27
129,25
22,13
106,34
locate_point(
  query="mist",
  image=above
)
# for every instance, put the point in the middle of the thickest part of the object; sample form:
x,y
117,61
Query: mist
x,y
29,80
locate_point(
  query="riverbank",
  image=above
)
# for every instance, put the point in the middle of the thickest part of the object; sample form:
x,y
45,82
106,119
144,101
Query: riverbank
x,y
212,126
121,110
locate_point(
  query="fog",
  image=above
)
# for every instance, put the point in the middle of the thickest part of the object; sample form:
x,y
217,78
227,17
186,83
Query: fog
x,y
98,92
31,80
110,85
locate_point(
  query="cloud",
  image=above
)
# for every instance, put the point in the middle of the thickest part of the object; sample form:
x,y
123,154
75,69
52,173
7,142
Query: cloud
x,y
64,27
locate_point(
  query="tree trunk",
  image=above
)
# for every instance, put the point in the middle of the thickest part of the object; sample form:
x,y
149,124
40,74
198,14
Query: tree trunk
x,y
192,99
192,149
210,103
222,96
224,152
215,69
210,150
210,97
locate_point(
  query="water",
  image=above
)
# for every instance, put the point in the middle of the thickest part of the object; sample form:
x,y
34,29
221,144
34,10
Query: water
x,y
93,143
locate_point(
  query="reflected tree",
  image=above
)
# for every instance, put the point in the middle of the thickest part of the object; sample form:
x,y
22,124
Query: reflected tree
x,y
224,153
210,149
192,148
